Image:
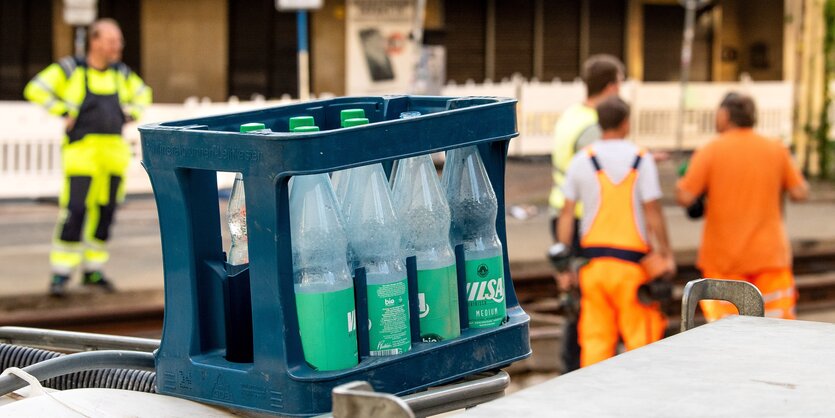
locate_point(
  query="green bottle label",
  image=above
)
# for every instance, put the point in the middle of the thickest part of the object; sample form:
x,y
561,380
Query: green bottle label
x,y
438,302
485,292
328,327
388,319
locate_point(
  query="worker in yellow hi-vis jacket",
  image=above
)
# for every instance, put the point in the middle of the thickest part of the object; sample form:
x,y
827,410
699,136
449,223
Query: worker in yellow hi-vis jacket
x,y
96,96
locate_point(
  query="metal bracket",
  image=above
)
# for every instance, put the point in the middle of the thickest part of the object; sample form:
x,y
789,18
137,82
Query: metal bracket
x,y
474,390
74,341
358,399
745,296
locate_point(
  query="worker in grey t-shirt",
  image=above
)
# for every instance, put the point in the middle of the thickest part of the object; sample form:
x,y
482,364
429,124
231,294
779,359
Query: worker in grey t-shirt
x,y
617,184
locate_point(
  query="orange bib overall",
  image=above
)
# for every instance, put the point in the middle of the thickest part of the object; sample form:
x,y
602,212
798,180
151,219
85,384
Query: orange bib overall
x,y
609,306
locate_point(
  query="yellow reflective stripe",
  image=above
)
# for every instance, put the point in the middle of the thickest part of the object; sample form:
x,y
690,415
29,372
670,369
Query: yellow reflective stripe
x,y
64,258
95,255
99,257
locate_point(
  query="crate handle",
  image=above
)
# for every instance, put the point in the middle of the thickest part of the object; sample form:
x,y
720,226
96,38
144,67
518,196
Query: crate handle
x,y
358,399
474,390
745,296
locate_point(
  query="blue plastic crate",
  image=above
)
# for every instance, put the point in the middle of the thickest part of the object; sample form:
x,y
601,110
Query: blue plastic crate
x,y
230,334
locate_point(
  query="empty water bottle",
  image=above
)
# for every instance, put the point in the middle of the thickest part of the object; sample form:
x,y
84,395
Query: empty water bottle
x,y
344,178
403,115
322,281
236,218
425,218
236,210
375,241
473,206
347,119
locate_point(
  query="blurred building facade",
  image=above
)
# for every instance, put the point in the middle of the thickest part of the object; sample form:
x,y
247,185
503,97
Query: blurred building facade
x,y
219,48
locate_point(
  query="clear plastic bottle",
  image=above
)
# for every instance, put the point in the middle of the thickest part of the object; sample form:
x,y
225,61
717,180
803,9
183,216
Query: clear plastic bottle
x,y
425,220
236,210
340,178
374,234
322,282
344,177
403,115
473,206
300,124
236,219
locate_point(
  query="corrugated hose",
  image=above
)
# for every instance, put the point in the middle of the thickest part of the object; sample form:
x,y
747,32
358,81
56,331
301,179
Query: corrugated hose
x,y
106,369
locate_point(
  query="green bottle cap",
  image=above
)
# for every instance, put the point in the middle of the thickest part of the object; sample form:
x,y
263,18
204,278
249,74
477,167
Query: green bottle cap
x,y
300,129
249,127
347,123
300,121
350,114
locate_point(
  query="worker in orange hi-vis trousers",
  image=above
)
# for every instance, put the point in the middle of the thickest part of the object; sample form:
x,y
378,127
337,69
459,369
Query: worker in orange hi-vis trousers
x,y
745,177
617,183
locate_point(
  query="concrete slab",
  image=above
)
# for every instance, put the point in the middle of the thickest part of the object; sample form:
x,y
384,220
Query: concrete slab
x,y
739,366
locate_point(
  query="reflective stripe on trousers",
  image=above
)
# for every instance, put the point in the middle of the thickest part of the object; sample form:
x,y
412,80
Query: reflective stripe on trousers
x,y
777,287
95,160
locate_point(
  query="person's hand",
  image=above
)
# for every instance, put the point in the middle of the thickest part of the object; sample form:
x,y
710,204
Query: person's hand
x,y
566,281
670,264
69,123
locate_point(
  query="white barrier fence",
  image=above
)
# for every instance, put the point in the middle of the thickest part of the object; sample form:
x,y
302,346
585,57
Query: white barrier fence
x,y
30,145
654,109
30,155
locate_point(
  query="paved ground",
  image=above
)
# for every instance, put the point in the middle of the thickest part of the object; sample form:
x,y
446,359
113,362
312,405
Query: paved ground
x,y
26,229
809,223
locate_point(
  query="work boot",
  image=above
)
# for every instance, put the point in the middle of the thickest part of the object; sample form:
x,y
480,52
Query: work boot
x,y
58,287
97,280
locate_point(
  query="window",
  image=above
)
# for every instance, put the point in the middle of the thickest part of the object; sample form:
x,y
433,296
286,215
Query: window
x,y
262,50
25,44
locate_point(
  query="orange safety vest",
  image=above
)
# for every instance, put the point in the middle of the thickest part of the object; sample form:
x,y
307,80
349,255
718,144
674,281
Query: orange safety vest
x,y
614,231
